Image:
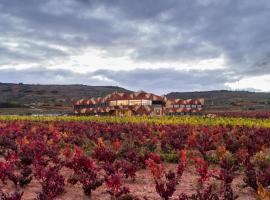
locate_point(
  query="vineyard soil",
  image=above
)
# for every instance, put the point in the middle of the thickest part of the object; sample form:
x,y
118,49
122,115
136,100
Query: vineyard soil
x,y
142,186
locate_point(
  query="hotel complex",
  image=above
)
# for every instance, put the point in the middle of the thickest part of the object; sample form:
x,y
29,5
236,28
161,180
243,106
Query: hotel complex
x,y
136,104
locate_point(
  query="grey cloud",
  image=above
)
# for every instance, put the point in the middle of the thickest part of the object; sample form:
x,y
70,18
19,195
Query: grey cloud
x,y
61,25
200,29
40,75
156,31
160,80
29,52
166,79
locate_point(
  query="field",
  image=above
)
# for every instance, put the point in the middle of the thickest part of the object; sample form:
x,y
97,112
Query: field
x,y
177,158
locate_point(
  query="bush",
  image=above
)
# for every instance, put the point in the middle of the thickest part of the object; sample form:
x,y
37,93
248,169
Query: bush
x,y
11,104
54,91
170,157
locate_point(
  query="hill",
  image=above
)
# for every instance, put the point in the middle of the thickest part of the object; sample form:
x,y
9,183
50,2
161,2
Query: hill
x,y
30,98
22,98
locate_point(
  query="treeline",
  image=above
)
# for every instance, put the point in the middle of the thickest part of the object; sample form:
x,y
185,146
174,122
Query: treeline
x,y
11,104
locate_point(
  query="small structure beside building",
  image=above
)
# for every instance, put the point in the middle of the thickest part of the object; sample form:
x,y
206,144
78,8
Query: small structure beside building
x,y
136,104
180,106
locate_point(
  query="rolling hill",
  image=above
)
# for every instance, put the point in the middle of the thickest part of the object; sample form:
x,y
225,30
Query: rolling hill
x,y
50,94
30,98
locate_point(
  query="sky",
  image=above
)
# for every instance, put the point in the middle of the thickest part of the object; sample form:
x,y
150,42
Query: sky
x,y
152,45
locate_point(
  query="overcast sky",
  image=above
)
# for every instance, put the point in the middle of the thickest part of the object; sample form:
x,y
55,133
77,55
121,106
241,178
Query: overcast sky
x,y
153,45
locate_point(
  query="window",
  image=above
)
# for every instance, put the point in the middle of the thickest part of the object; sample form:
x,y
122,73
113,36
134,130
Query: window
x,y
182,106
112,103
122,102
157,102
187,106
135,102
176,106
199,106
146,102
193,106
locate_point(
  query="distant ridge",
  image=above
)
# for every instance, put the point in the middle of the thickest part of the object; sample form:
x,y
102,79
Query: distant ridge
x,y
52,94
21,95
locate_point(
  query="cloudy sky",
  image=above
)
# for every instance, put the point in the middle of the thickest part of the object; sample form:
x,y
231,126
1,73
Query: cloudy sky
x,y
153,45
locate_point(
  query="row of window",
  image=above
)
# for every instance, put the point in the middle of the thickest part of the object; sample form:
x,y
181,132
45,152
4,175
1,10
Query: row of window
x,y
113,103
116,103
100,105
130,102
185,106
123,103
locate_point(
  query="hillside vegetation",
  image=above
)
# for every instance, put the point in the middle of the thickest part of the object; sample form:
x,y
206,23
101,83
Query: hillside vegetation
x,y
30,98
51,94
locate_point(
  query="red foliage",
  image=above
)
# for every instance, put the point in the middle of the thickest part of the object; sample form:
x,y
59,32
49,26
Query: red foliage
x,y
52,182
165,182
117,145
257,174
206,194
114,185
11,196
85,171
104,154
202,170
155,165
32,148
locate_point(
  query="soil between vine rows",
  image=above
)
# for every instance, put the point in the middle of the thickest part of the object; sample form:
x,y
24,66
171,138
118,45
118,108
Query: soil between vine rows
x,y
142,186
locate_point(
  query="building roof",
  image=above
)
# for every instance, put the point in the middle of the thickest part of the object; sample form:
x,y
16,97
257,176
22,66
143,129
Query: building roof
x,y
187,101
122,96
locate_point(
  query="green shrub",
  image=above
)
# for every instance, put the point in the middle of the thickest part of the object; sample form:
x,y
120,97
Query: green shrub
x,y
54,92
10,104
170,157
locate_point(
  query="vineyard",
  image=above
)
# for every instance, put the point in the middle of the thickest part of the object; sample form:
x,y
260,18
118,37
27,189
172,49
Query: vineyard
x,y
135,158
247,114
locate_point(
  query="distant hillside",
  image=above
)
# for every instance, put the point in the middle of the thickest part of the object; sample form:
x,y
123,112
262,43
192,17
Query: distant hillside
x,y
28,98
228,100
25,94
